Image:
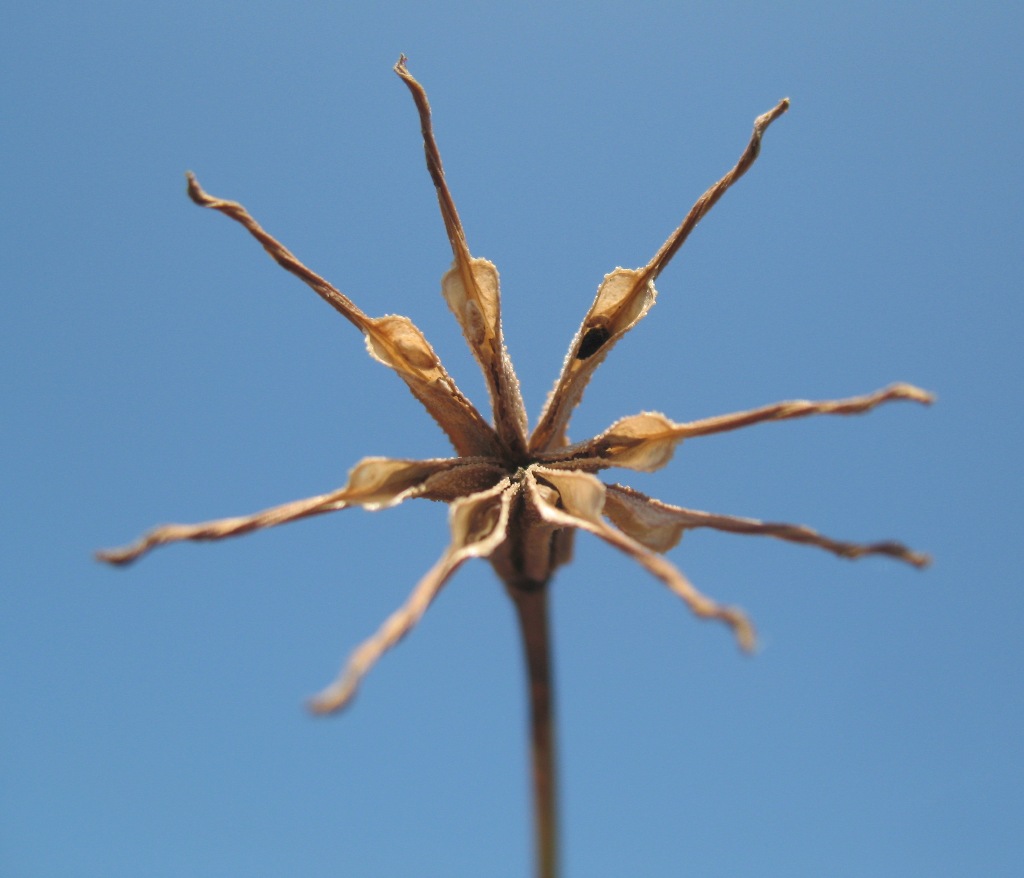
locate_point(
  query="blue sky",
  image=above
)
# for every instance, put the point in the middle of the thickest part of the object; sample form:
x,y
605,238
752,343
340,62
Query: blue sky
x,y
158,367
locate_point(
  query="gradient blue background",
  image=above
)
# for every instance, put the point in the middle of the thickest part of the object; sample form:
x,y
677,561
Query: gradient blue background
x,y
158,367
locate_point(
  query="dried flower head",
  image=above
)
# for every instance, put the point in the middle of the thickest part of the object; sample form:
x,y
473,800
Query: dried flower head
x,y
516,497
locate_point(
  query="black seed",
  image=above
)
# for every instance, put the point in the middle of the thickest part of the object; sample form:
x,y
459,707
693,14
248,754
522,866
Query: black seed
x,y
596,336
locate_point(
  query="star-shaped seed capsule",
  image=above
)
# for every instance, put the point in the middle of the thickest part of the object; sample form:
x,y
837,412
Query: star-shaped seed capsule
x,y
516,497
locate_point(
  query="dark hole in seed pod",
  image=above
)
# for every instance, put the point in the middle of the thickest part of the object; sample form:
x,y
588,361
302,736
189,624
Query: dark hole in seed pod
x,y
592,341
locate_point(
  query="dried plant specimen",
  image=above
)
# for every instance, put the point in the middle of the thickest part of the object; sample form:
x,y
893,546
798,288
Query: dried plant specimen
x,y
516,497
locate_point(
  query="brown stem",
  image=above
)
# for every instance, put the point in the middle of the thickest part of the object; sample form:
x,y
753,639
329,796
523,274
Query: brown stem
x,y
531,601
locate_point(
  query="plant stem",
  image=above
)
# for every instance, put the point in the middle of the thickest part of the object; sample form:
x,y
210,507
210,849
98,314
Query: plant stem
x,y
531,604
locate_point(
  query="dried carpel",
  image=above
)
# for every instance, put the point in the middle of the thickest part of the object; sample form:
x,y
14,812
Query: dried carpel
x,y
517,497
